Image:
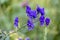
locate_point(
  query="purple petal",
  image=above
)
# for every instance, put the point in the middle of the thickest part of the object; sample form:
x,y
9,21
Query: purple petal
x,y
27,38
42,23
40,10
16,22
16,19
41,19
30,25
32,14
47,20
28,9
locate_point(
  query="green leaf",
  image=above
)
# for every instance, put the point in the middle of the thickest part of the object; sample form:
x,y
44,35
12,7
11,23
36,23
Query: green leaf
x,y
7,38
3,1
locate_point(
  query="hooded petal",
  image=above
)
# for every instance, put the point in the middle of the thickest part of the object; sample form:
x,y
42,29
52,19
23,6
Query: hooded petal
x,y
32,14
30,25
28,9
47,20
41,19
16,20
40,10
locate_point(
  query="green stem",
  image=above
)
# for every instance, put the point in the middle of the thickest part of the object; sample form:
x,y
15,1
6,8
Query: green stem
x,y
45,34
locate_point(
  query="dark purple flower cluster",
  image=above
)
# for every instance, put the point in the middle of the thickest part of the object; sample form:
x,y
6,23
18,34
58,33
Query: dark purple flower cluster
x,y
42,18
16,20
32,14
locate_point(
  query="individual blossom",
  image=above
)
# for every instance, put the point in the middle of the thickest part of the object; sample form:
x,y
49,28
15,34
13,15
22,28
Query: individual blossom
x,y
41,19
47,20
40,10
32,14
16,20
27,38
30,25
28,9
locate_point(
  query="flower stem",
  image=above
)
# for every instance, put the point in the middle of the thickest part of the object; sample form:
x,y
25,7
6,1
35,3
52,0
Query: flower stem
x,y
45,33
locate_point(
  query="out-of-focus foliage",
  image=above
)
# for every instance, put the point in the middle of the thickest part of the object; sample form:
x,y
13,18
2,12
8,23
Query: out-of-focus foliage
x,y
9,9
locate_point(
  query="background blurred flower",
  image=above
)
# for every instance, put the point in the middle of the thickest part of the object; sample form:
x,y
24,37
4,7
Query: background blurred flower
x,y
24,3
27,38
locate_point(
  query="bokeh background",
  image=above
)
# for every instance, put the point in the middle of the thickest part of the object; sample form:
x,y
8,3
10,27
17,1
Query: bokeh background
x,y
9,9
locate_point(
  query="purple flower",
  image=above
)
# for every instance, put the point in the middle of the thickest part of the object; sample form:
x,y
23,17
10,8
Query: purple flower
x,y
32,14
20,39
27,38
47,20
41,19
28,9
30,25
40,10
16,22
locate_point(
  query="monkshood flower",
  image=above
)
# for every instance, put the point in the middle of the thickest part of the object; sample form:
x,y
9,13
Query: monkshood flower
x,y
27,38
16,20
28,9
40,10
30,25
47,20
31,13
41,19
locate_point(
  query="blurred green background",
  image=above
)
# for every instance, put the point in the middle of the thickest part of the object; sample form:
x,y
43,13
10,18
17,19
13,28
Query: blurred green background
x,y
9,9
